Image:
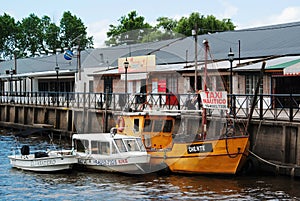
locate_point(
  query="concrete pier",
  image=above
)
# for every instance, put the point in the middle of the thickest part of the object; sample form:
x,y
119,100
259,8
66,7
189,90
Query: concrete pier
x,y
275,145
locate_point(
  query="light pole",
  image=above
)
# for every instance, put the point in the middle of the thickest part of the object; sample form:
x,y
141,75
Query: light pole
x,y
16,50
126,64
11,72
231,58
194,33
56,85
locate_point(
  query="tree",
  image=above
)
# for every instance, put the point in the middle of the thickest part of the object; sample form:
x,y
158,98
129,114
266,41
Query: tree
x,y
164,30
52,35
8,35
33,34
73,32
166,23
131,30
202,24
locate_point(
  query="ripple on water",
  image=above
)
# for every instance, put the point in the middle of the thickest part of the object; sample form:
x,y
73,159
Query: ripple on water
x,y
23,185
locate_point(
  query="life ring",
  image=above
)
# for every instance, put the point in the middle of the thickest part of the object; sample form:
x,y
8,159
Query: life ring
x,y
120,124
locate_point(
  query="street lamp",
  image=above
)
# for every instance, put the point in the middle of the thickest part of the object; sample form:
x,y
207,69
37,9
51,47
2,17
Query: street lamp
x,y
11,72
56,85
231,58
126,64
16,50
194,33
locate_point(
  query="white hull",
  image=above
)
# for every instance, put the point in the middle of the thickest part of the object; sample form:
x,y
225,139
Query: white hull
x,y
54,162
126,164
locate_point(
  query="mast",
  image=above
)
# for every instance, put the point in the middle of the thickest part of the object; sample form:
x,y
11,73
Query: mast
x,y
204,119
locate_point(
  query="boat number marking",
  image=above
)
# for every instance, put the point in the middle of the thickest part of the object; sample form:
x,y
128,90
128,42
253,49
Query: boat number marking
x,y
43,162
105,162
199,148
122,161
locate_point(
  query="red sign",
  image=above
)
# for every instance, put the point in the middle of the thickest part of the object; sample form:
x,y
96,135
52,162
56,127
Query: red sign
x,y
162,86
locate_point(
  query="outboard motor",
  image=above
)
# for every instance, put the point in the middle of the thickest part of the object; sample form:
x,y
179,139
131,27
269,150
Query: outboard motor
x,y
25,150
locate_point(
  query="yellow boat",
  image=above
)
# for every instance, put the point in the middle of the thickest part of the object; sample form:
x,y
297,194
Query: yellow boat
x,y
174,140
186,151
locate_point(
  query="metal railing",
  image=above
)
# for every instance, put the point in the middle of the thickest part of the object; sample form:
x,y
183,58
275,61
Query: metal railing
x,y
277,107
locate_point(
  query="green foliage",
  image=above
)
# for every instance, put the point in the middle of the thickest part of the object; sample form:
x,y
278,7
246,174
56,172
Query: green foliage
x,y
133,29
34,34
8,35
73,32
203,25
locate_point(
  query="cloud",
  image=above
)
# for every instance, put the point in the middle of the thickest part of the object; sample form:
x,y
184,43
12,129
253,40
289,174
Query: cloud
x,y
98,31
289,14
229,10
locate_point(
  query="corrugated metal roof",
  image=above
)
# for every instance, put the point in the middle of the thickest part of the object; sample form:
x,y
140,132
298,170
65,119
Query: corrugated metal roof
x,y
281,40
269,63
284,65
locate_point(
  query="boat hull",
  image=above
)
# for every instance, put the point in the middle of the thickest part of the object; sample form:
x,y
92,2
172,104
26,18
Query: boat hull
x,y
223,156
128,164
45,164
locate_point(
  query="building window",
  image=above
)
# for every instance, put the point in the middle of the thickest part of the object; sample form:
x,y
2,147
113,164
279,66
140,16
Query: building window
x,y
251,81
91,86
172,84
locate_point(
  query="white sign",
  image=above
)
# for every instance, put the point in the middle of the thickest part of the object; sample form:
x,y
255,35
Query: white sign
x,y
214,99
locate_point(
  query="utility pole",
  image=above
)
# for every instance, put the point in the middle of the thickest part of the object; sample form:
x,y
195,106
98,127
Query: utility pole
x,y
194,33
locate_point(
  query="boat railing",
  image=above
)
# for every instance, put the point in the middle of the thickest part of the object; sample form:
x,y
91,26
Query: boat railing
x,y
276,107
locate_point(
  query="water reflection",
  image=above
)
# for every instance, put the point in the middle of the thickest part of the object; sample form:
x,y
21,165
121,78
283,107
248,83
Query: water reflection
x,y
77,185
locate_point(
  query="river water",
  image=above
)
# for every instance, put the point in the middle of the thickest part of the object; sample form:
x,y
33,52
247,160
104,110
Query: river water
x,y
76,185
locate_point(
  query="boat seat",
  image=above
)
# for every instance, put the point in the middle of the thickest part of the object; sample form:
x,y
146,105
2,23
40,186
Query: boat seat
x,y
25,150
40,154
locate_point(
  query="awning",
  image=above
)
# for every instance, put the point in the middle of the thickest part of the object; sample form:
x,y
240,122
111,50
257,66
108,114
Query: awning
x,y
290,68
293,69
134,76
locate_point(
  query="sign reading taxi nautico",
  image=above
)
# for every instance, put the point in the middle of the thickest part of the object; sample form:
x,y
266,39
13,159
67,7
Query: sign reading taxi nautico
x,y
214,99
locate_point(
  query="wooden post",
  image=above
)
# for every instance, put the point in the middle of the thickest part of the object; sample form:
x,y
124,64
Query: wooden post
x,y
255,96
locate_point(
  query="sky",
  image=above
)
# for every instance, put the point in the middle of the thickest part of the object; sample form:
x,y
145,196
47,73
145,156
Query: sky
x,y
97,15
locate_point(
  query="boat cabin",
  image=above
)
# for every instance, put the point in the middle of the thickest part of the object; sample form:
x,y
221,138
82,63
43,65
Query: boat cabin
x,y
156,130
105,144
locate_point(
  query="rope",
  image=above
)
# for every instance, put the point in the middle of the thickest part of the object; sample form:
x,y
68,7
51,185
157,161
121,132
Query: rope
x,y
270,163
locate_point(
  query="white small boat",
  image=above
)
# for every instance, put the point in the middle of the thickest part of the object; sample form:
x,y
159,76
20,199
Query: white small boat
x,y
50,161
111,152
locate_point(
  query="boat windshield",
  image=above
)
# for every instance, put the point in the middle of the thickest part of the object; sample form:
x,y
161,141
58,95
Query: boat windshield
x,y
98,147
131,145
120,144
81,145
141,145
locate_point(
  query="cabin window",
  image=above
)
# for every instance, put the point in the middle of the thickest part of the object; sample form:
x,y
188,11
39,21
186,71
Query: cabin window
x,y
120,145
131,145
81,145
99,147
141,145
147,140
114,149
137,125
147,125
157,126
168,126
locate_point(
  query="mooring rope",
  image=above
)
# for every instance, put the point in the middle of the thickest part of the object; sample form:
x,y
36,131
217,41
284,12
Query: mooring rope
x,y
270,163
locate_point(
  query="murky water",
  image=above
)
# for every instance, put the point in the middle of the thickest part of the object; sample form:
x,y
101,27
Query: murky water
x,y
23,185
